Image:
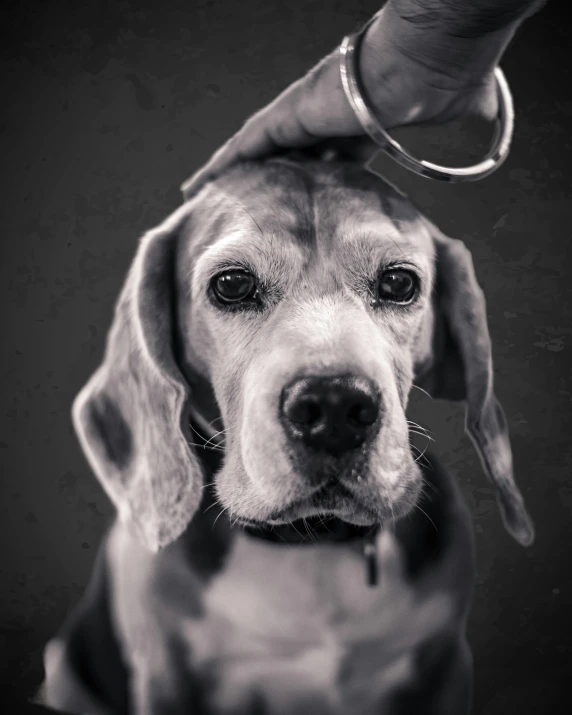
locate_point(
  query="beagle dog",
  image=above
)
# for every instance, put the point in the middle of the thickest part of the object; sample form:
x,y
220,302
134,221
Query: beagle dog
x,y
280,548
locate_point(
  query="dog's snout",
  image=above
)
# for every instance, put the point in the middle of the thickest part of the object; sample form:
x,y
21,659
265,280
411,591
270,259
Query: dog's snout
x,y
331,414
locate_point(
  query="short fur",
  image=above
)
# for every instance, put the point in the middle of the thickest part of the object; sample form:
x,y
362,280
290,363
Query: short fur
x,y
194,614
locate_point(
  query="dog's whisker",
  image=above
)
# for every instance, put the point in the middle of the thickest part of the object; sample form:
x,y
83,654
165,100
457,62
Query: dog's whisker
x,y
223,430
323,519
210,440
421,459
429,466
415,448
222,511
423,391
211,506
306,527
195,431
422,434
427,515
428,483
312,533
206,441
423,452
211,448
420,456
279,535
299,534
416,425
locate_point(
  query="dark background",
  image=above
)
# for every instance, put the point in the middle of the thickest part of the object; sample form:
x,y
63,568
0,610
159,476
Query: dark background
x,y
105,108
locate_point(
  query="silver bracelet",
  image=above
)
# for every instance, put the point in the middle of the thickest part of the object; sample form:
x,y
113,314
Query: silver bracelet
x,y
349,73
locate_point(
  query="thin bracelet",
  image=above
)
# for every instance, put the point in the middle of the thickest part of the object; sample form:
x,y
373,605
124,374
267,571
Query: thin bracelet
x,y
349,72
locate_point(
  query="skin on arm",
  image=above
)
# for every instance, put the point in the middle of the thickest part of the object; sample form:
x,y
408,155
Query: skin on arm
x,y
420,61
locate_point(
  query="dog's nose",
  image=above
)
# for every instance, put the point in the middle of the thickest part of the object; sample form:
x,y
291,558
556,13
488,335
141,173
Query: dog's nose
x,y
331,414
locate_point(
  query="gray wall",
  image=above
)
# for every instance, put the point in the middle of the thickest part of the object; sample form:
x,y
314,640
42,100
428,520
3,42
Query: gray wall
x,y
106,108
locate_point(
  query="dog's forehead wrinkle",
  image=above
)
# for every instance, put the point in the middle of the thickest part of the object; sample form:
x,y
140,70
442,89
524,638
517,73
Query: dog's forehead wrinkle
x,y
268,178
266,189
314,205
262,187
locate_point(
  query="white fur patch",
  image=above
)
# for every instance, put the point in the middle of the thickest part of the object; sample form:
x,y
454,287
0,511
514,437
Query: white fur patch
x,y
299,626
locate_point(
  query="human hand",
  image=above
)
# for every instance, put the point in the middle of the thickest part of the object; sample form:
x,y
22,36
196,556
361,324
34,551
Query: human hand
x,y
410,77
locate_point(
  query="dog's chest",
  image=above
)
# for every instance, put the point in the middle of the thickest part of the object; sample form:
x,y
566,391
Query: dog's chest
x,y
290,630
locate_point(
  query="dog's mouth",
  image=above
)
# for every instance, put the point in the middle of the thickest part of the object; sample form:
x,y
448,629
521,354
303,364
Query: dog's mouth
x,y
311,529
332,512
332,500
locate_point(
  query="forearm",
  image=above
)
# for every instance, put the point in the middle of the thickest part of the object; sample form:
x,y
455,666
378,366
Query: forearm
x,y
459,41
465,18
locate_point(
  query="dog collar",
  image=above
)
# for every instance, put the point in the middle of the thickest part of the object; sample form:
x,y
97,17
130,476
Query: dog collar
x,y
315,531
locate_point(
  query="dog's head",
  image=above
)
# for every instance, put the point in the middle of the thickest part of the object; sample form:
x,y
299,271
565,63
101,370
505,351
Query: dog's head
x,y
298,303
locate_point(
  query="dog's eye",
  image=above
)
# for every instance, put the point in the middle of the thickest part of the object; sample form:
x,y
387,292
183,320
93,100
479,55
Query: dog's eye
x,y
234,286
397,285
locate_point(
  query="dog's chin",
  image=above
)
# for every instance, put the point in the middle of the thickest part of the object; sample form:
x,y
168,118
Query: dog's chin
x,y
338,503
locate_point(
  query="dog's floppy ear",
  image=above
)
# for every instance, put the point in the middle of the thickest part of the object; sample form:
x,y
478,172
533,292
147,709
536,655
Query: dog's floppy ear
x,y
461,369
132,416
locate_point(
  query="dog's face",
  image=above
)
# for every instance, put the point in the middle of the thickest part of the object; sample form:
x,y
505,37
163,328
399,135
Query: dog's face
x,y
310,294
308,298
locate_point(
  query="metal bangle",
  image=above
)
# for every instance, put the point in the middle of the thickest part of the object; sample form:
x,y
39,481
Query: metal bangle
x,y
349,72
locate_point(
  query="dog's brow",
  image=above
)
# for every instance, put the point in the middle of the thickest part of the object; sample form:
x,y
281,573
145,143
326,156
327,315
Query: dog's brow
x,y
366,253
269,254
222,249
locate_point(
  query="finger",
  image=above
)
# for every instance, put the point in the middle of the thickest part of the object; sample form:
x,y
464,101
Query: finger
x,y
224,157
243,145
275,127
310,110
